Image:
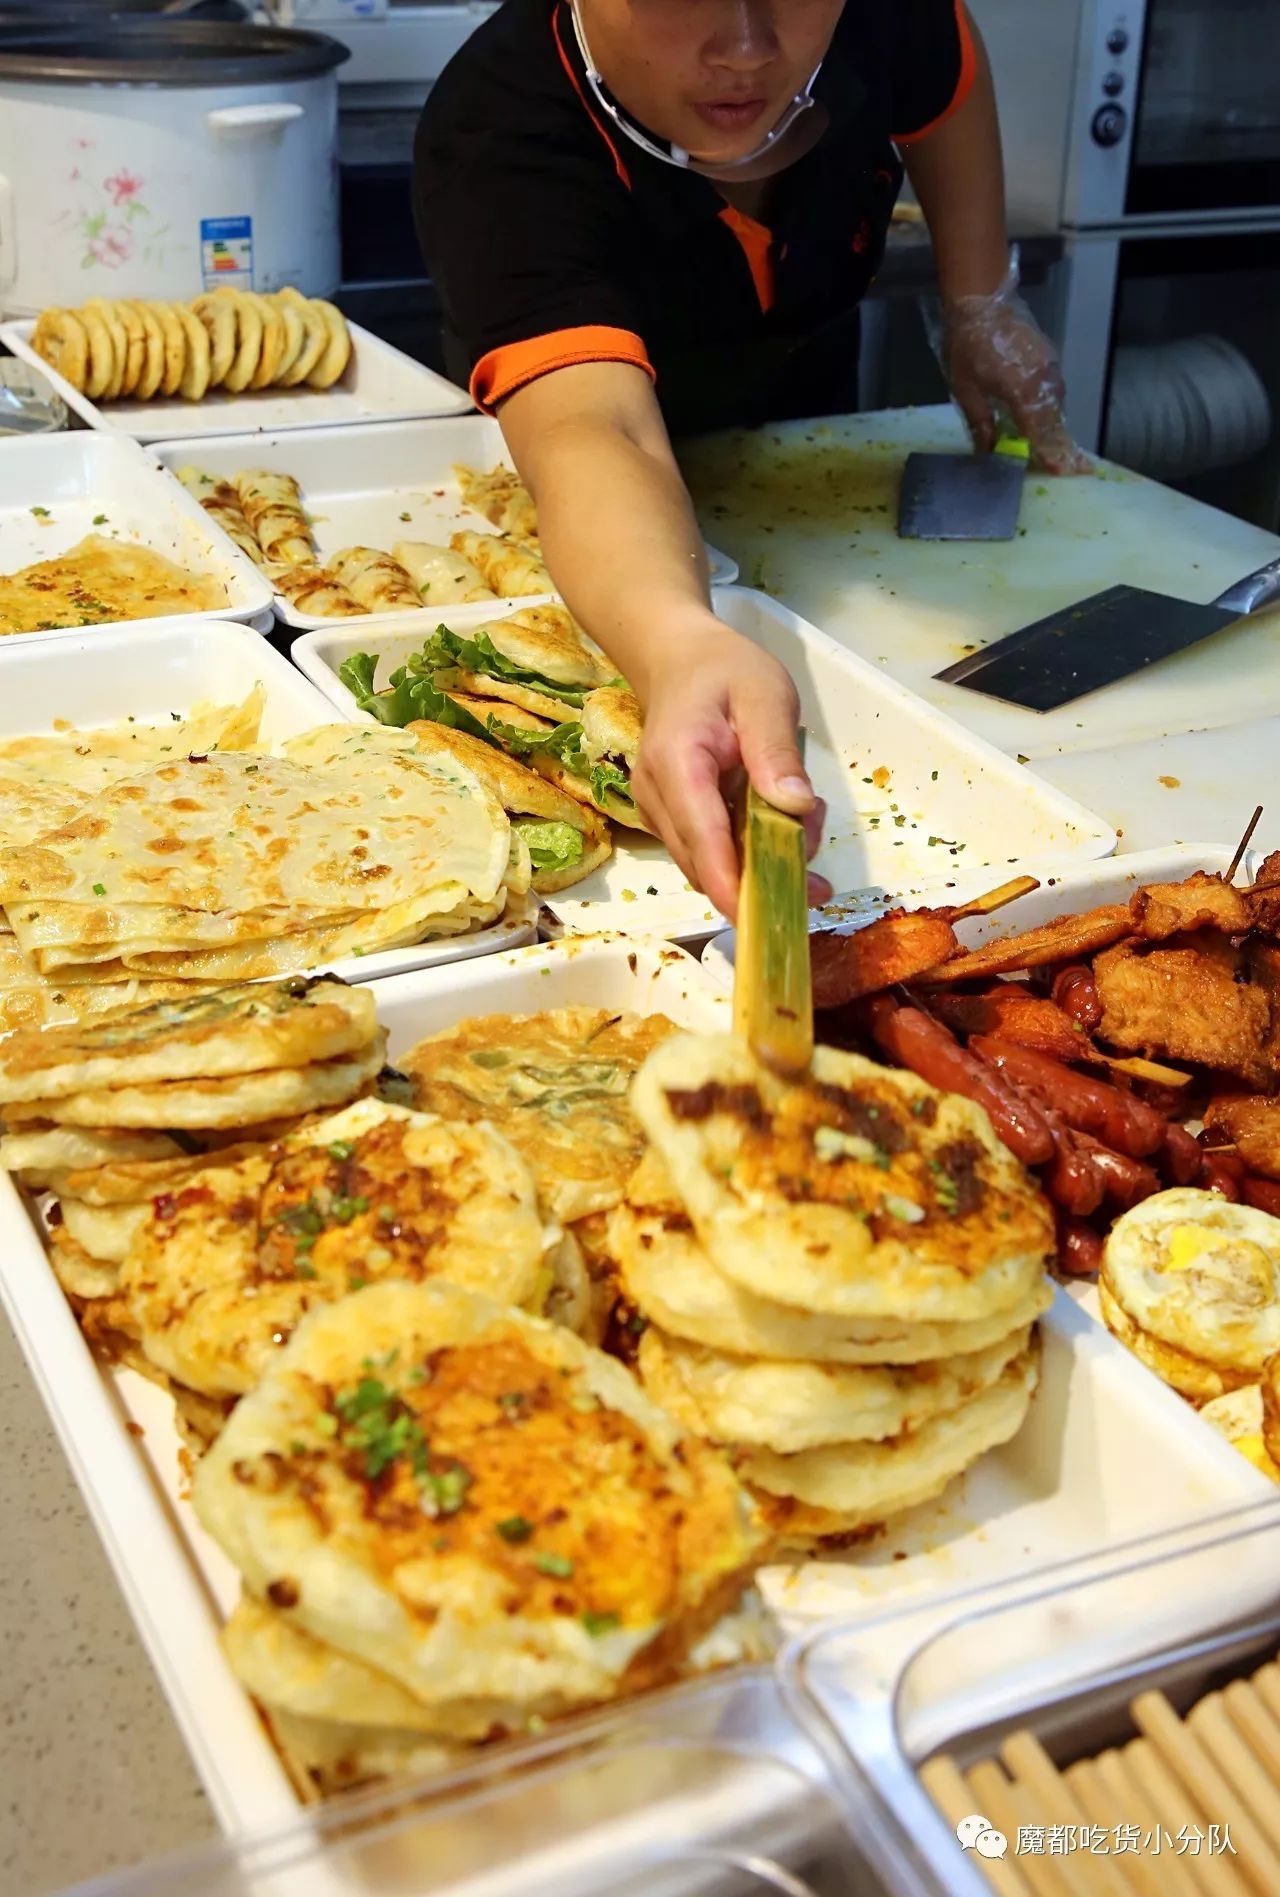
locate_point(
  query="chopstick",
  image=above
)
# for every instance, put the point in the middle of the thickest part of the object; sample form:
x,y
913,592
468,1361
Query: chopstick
x,y
1027,1759
1201,1776
950,1792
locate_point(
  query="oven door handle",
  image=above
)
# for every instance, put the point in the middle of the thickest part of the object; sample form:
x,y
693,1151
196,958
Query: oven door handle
x,y
1254,590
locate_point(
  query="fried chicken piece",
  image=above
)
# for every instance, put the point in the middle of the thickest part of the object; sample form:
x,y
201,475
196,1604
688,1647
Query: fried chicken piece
x,y
1192,1001
897,947
1012,1013
1201,902
1065,939
1253,1123
1264,898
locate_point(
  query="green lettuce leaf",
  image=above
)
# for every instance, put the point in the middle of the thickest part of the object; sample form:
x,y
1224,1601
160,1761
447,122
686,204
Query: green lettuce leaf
x,y
396,705
607,778
478,653
551,845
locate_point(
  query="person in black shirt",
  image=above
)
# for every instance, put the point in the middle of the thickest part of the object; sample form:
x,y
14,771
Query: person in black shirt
x,y
647,218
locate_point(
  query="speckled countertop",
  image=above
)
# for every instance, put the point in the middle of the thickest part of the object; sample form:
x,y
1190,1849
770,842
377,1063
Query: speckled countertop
x,y
94,1774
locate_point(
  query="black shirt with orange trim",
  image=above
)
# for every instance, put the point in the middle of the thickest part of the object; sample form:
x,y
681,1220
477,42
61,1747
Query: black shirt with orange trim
x,y
553,239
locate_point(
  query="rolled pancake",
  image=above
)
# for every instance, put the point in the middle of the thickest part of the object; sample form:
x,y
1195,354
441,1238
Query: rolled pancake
x,y
378,582
442,577
511,570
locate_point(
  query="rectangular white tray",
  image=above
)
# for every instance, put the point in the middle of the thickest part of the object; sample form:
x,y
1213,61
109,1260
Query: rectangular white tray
x,y
373,486
149,670
91,484
1062,892
381,383
944,783
1053,1492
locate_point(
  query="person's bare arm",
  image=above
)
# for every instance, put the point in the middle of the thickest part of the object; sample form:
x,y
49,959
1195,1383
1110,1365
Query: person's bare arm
x,y
994,355
620,539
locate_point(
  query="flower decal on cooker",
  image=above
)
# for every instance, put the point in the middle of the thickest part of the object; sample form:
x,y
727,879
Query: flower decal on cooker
x,y
110,216
123,188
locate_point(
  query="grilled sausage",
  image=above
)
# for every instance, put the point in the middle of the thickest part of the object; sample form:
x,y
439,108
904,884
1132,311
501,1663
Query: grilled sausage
x,y
1076,993
925,1047
1092,1106
1216,1175
1126,1181
1079,1247
1071,1179
1264,1194
1180,1156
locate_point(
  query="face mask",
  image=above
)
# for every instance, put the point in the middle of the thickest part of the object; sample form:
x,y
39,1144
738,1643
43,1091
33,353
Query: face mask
x,y
797,131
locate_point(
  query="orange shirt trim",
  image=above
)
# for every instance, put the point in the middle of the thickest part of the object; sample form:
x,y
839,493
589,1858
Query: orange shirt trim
x,y
757,243
964,85
510,367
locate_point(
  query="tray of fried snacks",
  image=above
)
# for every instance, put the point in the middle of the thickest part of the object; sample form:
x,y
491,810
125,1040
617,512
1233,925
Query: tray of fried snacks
x,y
93,533
1107,1727
359,524
177,809
1120,1025
461,1292
907,790
225,363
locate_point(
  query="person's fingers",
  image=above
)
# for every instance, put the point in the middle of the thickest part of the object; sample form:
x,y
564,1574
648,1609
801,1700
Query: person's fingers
x,y
813,822
700,820
765,721
820,891
971,400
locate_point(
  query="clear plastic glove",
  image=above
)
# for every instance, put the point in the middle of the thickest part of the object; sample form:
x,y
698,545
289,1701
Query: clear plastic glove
x,y
1000,364
721,707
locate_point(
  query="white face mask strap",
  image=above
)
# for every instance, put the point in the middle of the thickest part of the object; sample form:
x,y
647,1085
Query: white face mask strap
x,y
675,154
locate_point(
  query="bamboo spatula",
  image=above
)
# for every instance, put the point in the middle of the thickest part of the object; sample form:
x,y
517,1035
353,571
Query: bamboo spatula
x,y
772,991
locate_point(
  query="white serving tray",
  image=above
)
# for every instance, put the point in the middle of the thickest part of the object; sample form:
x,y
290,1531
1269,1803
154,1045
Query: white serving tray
x,y
373,486
1062,892
1055,1491
149,670
944,783
91,484
380,384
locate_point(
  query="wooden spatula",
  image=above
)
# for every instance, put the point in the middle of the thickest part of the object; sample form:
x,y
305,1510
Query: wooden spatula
x,y
772,990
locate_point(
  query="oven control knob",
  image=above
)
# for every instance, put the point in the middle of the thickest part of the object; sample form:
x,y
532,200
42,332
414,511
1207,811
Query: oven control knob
x,y
1117,40
1113,84
1110,123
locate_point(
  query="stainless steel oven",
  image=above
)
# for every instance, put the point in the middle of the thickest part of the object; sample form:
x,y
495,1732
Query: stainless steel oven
x,y
1137,113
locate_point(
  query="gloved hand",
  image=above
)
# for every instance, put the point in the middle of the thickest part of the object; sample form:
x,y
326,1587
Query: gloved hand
x,y
999,362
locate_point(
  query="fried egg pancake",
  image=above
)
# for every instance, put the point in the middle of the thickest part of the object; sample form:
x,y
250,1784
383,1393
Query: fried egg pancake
x,y
474,1503
337,1758
665,1272
1191,1376
45,1153
235,1100
236,1030
856,1192
1239,1417
1271,1409
1202,1275
80,1274
105,1233
557,1085
865,1483
789,1407
224,1269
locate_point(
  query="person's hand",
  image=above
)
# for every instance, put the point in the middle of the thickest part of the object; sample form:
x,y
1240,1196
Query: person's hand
x,y
998,361
717,706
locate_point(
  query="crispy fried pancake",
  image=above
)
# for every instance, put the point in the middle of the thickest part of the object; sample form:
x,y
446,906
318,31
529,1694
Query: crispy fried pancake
x,y
100,579
856,1192
557,1085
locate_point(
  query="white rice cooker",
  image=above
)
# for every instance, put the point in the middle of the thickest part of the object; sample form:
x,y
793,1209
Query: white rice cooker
x,y
156,157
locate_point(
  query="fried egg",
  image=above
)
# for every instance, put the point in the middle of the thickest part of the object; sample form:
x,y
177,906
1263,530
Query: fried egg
x,y
1199,1276
1239,1417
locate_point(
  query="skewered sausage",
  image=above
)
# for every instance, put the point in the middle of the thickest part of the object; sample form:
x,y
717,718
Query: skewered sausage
x,y
1076,993
1091,1106
1217,1175
924,1046
1071,1179
1264,1194
1179,1155
1126,1180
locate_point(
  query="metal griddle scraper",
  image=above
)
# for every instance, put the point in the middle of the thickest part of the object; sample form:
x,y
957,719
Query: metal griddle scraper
x,y
963,496
1101,639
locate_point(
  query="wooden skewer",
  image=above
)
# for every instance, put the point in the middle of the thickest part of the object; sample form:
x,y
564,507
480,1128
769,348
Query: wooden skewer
x,y
945,1784
1007,1810
1096,1800
1027,1759
1139,1069
994,899
1185,1756
1243,845
1257,1725
1266,1684
1173,1807
1211,1724
1116,1773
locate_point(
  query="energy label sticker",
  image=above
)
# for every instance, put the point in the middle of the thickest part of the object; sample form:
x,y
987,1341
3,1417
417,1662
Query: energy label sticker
x,y
226,252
